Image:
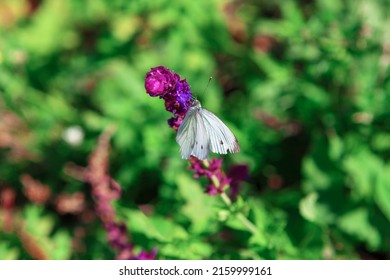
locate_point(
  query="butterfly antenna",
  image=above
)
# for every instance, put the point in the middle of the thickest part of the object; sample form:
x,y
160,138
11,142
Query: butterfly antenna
x,y
207,86
193,98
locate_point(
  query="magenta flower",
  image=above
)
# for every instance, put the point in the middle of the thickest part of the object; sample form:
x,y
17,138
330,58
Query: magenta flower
x,y
164,83
217,180
144,255
160,81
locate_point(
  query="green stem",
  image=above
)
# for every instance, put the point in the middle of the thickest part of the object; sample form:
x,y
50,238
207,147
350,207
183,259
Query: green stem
x,y
252,228
248,224
226,199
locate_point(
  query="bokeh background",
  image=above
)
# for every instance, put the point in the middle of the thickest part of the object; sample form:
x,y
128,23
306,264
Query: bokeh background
x,y
304,85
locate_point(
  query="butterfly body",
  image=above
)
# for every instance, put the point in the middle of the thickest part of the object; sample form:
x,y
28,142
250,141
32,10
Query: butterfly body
x,y
201,132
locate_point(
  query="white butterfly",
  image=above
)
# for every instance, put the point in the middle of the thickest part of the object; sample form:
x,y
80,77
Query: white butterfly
x,y
202,131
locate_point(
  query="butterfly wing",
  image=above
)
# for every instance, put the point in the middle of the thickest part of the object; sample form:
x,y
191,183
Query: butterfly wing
x,y
186,134
201,148
202,131
192,136
221,138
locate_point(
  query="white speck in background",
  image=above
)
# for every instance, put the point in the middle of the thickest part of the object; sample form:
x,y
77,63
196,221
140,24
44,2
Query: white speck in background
x,y
73,135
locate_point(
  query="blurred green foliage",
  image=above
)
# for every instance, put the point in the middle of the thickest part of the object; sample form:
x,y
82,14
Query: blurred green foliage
x,y
303,84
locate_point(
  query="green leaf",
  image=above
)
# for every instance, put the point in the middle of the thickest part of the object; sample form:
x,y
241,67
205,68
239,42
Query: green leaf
x,y
382,192
191,250
198,205
361,168
157,227
357,223
40,227
314,211
317,179
8,253
369,178
307,207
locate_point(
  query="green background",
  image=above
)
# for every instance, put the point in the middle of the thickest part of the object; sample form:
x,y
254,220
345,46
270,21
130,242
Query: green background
x,y
304,85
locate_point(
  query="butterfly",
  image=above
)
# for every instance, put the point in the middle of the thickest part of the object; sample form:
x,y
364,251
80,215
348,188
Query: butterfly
x,y
201,132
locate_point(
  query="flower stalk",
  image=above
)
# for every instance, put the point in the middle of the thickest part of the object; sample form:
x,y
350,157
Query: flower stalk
x,y
226,199
167,85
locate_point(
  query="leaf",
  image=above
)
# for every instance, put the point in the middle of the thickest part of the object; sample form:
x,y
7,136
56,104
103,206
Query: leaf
x,y
382,192
160,228
370,178
314,211
190,250
317,179
198,206
307,207
61,246
357,224
8,253
261,221
40,227
362,170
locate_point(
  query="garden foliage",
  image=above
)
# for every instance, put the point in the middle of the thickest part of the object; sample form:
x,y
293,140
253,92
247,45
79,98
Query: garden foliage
x,y
90,169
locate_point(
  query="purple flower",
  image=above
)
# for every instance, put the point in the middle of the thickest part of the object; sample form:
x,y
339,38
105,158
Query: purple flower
x,y
144,255
104,191
162,82
117,236
183,92
175,122
218,181
237,173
